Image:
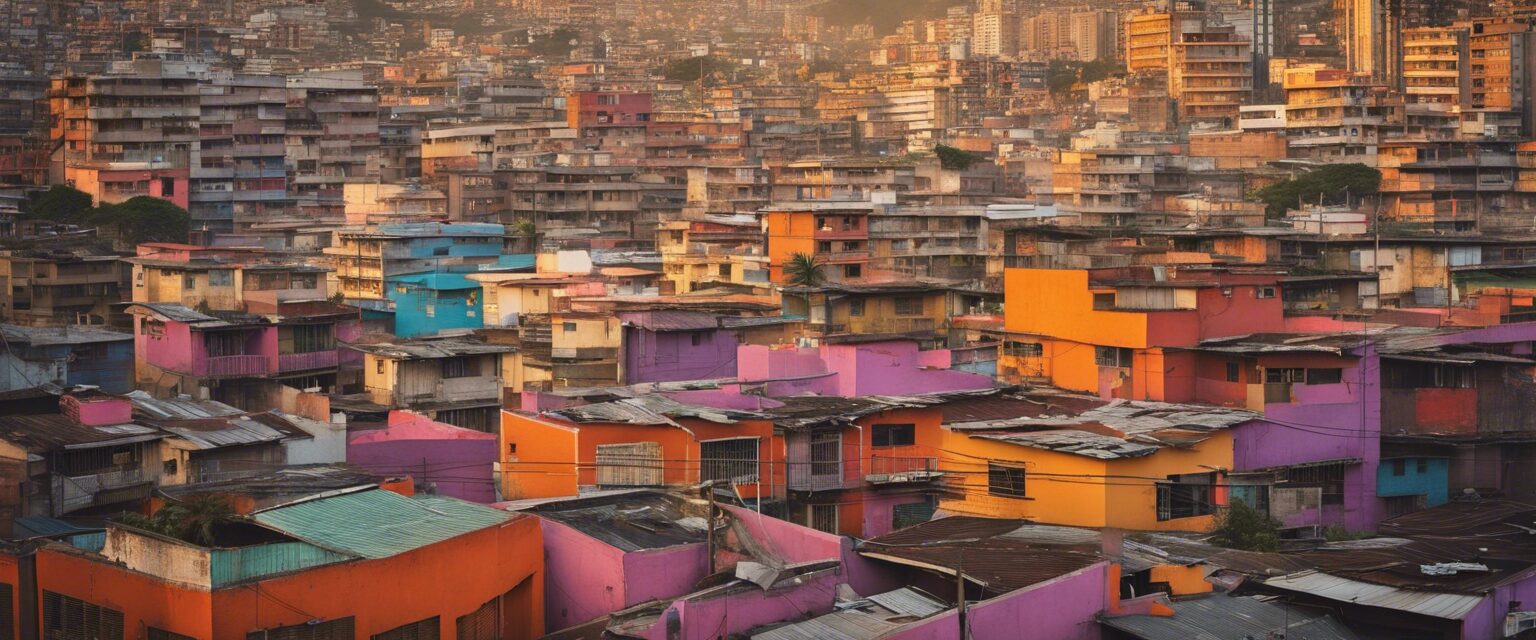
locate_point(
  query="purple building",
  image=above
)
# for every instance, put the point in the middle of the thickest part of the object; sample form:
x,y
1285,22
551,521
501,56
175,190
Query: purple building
x,y
443,459
665,346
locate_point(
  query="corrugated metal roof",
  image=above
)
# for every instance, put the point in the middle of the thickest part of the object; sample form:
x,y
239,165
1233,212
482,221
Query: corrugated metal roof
x,y
179,408
41,336
1450,606
672,320
650,410
43,433
864,620
231,566
907,602
42,526
1228,618
424,349
1083,443
378,523
630,521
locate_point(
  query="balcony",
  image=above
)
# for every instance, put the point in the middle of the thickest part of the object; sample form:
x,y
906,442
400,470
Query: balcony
x,y
80,492
902,465
236,366
287,362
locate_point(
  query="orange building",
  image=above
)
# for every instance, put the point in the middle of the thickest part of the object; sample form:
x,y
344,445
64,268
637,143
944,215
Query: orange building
x,y
636,442
369,563
837,234
1120,333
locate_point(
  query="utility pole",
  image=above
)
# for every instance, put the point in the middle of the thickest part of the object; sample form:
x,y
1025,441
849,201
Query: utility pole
x,y
965,627
709,527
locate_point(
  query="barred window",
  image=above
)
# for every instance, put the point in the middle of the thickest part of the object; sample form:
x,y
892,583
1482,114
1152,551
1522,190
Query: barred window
x,y
66,618
1005,480
733,459
419,630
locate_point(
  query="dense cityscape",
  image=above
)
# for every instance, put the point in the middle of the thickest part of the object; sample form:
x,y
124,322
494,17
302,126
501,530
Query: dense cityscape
x,y
767,319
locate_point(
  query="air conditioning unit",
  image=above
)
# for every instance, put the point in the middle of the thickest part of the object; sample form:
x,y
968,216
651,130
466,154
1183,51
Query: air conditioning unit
x,y
1518,622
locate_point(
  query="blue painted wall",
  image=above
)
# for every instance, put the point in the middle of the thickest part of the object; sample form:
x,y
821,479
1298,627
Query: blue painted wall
x,y
1433,482
428,303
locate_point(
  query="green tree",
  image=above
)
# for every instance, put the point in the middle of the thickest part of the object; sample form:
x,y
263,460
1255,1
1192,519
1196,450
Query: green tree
x,y
60,203
688,69
955,159
195,519
1243,527
554,45
524,227
1330,184
804,270
144,219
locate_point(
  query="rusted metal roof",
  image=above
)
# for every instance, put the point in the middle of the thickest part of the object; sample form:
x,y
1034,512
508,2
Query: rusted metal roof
x,y
985,550
53,432
630,521
1449,606
1219,617
1117,429
865,619
671,320
651,410
430,349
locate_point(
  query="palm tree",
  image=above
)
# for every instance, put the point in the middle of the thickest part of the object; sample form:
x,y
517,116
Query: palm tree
x,y
804,270
195,519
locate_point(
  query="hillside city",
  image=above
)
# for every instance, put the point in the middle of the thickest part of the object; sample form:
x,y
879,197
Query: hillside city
x,y
767,319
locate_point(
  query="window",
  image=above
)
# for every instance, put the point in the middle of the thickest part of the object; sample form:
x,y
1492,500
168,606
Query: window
x,y
1005,480
1325,376
483,624
305,338
162,634
1285,376
461,367
378,365
66,618
221,278
1330,477
1185,496
418,630
909,306
1112,357
856,308
827,454
695,338
733,459
1265,292
1023,349
1422,465
913,513
824,518
894,435
1102,301
1399,467
1233,372
1422,375
188,281
853,271
568,327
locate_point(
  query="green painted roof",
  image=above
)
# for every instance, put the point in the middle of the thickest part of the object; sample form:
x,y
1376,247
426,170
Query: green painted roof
x,y
378,523
233,566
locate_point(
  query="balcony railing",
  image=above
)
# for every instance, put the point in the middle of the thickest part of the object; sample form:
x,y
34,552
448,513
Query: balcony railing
x,y
895,465
79,492
237,366
304,361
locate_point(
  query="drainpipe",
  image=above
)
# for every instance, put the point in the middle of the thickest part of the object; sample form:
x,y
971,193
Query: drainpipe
x,y
861,450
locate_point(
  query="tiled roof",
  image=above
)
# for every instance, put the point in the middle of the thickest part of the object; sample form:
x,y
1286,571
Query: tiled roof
x,y
378,524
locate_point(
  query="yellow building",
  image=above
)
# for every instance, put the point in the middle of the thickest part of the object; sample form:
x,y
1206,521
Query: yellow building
x,y
1058,458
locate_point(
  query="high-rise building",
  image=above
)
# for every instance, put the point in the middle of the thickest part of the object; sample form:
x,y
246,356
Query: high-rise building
x,y
1360,26
995,33
1500,69
1149,32
1210,73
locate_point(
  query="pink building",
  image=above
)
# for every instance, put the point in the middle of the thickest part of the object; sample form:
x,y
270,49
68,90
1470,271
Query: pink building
x,y
441,458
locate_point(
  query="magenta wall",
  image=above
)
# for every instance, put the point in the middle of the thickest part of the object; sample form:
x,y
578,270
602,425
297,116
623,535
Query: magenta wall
x,y
720,617
659,574
1487,619
1064,608
583,578
789,542
459,468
